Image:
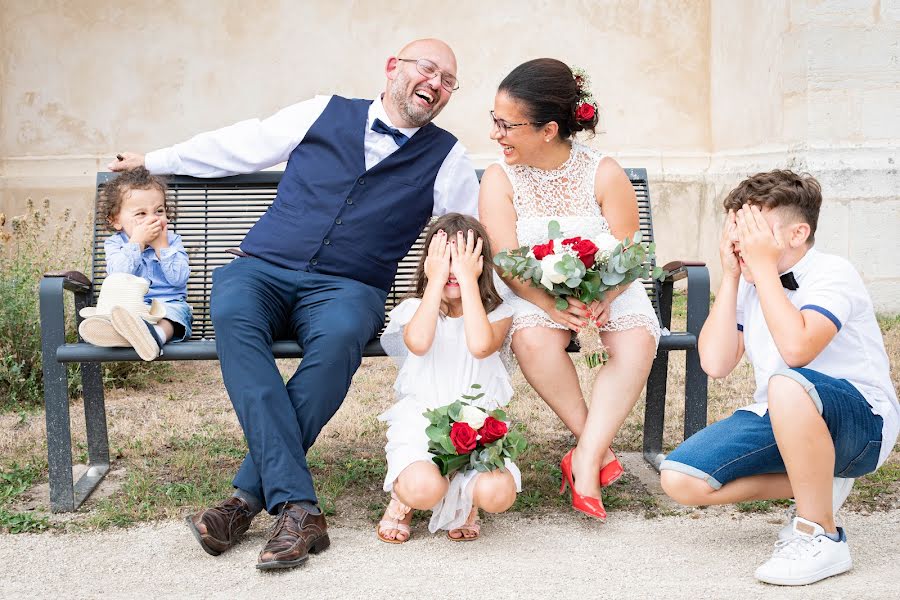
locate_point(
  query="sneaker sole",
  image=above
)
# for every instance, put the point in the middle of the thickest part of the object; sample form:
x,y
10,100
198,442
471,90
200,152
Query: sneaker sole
x,y
98,331
812,578
134,329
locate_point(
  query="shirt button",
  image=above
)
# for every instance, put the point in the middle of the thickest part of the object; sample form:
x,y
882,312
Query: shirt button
x,y
361,181
338,221
314,261
326,241
349,200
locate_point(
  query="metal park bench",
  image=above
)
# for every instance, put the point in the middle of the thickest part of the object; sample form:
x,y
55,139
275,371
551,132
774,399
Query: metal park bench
x,y
214,215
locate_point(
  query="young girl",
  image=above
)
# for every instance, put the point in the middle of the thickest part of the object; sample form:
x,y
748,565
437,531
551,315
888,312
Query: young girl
x,y
445,338
134,205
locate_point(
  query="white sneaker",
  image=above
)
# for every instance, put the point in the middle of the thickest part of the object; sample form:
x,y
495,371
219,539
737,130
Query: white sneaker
x,y
840,490
806,557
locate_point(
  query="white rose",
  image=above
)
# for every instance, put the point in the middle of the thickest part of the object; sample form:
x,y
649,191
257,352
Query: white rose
x,y
473,416
550,275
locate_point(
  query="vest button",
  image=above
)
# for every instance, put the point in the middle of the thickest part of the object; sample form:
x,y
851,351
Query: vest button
x,y
338,221
314,261
361,181
349,200
326,241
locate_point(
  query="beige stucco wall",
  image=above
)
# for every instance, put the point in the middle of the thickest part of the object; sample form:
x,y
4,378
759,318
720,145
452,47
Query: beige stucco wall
x,y
700,92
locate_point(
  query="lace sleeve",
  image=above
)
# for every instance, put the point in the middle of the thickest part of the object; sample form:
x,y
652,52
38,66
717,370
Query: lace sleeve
x,y
392,338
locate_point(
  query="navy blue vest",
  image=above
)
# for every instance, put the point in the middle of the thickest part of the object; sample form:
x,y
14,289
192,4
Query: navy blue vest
x,y
333,216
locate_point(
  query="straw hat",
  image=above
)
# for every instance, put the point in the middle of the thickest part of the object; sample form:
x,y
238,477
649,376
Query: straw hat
x,y
125,290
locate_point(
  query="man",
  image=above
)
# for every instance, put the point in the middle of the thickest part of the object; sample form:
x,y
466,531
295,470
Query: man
x,y
362,179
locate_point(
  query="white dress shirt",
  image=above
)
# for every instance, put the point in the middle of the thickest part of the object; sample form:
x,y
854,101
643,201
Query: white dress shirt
x,y
254,145
830,286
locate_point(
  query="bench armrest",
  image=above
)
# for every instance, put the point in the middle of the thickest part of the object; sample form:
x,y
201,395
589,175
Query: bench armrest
x,y
697,290
51,296
678,269
74,281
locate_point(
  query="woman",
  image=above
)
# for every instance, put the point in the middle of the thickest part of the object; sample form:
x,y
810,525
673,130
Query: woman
x,y
545,176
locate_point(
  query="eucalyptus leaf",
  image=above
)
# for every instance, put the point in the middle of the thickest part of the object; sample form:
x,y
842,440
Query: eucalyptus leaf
x,y
553,230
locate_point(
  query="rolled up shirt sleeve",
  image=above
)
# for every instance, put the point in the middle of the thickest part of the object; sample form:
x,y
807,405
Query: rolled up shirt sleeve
x,y
245,147
122,256
456,185
174,262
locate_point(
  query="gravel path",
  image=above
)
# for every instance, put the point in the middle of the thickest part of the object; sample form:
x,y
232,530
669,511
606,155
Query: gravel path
x,y
712,556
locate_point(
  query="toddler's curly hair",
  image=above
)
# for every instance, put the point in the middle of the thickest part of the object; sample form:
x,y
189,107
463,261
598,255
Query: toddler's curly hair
x,y
114,192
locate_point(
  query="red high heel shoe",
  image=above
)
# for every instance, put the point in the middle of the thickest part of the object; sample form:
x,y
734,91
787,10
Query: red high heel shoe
x,y
612,471
589,506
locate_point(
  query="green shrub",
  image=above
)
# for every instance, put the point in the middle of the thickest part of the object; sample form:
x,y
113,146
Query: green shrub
x,y
28,250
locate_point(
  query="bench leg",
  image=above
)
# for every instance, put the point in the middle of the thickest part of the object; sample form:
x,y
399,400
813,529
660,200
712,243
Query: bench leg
x,y
97,437
56,397
696,385
696,381
655,410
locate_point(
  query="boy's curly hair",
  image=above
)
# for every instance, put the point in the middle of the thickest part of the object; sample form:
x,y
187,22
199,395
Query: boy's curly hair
x,y
114,193
800,193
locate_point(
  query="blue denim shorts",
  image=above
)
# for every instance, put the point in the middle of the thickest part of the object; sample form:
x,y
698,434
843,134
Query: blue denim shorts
x,y
182,316
744,443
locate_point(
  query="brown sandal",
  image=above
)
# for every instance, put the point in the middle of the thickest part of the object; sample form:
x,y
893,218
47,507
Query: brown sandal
x,y
471,524
395,513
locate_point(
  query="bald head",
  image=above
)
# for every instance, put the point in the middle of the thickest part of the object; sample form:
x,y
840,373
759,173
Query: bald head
x,y
435,50
420,80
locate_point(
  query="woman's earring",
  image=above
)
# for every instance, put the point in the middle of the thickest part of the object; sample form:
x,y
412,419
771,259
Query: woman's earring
x,y
547,140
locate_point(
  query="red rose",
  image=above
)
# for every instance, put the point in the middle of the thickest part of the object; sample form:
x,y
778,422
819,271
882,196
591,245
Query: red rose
x,y
492,430
463,437
542,250
570,241
586,250
585,112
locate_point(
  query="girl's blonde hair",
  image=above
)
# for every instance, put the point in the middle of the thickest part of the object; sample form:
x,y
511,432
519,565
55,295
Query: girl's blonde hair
x,y
452,223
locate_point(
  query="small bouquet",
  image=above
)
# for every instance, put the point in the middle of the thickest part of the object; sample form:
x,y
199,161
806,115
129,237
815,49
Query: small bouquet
x,y
581,268
462,436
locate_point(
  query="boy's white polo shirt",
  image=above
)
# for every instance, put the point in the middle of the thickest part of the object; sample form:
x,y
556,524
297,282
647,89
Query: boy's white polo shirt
x,y
829,285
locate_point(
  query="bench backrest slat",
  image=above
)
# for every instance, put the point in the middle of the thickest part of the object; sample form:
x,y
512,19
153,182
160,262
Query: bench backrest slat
x,y
215,214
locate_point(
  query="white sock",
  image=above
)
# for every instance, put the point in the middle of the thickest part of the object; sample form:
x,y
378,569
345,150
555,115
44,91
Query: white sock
x,y
161,333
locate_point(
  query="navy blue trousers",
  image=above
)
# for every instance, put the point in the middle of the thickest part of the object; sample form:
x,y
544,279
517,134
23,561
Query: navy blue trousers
x,y
253,303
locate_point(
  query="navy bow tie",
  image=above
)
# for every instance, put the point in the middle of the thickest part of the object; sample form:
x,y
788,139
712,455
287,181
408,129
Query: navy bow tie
x,y
788,281
380,127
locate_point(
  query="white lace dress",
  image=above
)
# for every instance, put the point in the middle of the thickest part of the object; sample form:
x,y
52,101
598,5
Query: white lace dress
x,y
566,195
438,378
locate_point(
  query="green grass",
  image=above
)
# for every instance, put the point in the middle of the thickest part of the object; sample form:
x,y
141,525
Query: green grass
x,y
189,473
15,481
878,490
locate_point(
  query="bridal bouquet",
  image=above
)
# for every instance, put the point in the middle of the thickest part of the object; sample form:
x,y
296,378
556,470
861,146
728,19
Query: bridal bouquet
x,y
462,436
581,268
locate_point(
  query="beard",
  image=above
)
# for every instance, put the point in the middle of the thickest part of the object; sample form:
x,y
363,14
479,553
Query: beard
x,y
417,115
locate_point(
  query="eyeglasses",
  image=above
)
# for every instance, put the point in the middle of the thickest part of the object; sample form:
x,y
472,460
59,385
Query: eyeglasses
x,y
504,127
429,70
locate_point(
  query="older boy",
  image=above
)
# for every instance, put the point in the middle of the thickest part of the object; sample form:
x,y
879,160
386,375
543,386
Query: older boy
x,y
824,406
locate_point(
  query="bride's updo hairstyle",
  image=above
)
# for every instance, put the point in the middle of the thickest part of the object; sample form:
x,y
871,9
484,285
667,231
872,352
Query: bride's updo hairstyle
x,y
549,91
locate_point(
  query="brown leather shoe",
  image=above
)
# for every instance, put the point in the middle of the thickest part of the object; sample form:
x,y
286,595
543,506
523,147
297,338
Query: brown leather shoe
x,y
220,527
294,536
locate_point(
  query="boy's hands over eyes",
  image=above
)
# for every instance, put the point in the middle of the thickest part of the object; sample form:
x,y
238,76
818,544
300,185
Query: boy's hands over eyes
x,y
761,246
727,251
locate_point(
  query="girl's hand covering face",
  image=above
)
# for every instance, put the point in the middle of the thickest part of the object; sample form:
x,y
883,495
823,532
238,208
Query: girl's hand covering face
x,y
437,262
466,261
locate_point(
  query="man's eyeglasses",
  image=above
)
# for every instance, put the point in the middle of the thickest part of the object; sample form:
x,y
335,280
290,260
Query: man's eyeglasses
x,y
429,70
504,127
